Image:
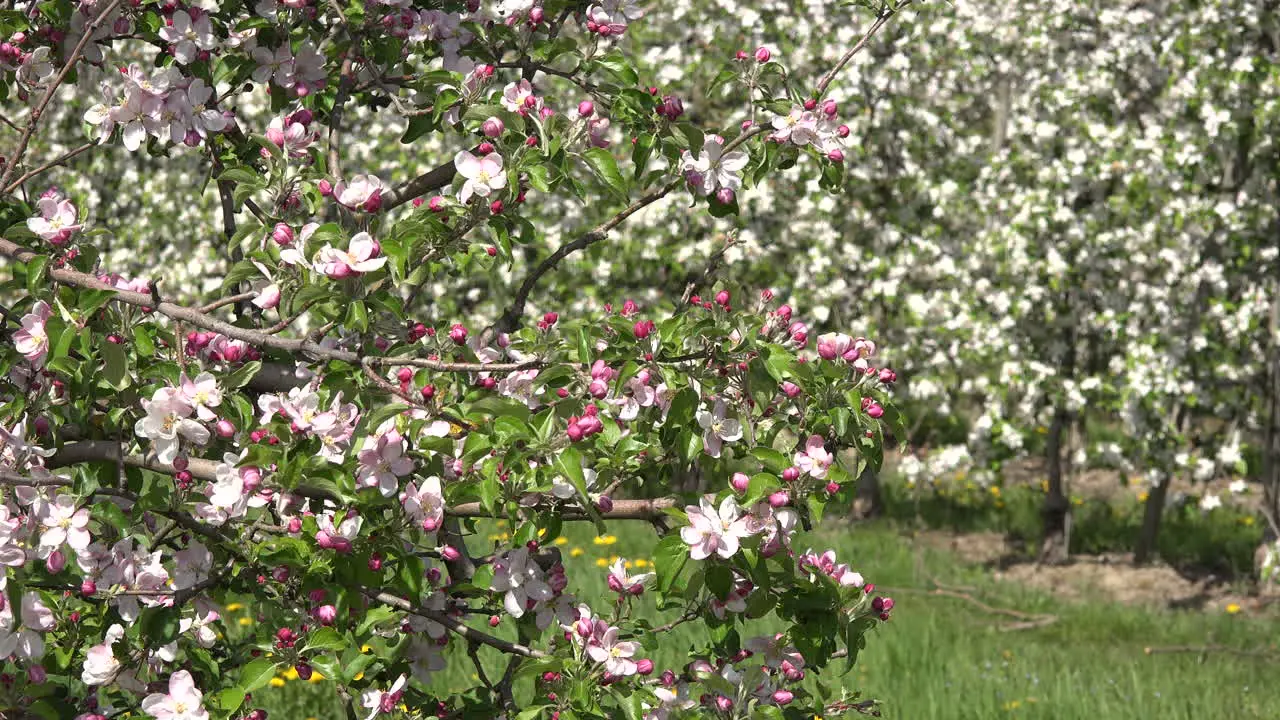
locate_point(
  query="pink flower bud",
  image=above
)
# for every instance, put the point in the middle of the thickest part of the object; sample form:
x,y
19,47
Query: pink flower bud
x,y
88,587
450,553
791,474
337,271
643,329
282,234
295,526
496,207
723,704
810,104
763,55
280,574
875,411
739,482
725,196
269,297
41,426
225,428
614,583
741,55
36,675
494,621
644,666
583,628
782,696
374,203
536,15
843,131
722,298
493,127
833,488
604,503
836,155
829,108
586,108
326,188
435,204
790,389
458,333
779,499
55,562
375,562
326,614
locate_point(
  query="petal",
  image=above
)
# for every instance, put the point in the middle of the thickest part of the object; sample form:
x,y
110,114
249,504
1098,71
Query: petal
x,y
468,165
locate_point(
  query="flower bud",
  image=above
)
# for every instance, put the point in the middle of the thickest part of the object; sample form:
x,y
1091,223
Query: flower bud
x,y
875,411
722,298
435,204
88,587
779,499
36,675
458,333
723,704
782,696
224,428
326,614
586,108
282,234
55,562
725,196
325,187
836,155
810,104
493,127
295,525
763,55
604,503
790,389
450,553
739,482
833,488
304,671
791,474
496,207
644,666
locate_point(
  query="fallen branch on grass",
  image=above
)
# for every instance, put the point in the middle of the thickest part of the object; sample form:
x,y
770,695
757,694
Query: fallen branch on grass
x,y
1204,650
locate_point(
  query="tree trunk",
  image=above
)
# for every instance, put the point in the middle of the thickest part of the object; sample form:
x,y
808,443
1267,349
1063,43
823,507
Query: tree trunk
x,y
867,503
1152,514
1056,512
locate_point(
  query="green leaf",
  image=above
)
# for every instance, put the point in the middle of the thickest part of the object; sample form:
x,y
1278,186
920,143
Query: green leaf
x,y
605,167
771,459
326,638
257,674
694,136
231,699
35,273
376,615
379,416
489,488
116,365
669,558
242,375
719,579
584,347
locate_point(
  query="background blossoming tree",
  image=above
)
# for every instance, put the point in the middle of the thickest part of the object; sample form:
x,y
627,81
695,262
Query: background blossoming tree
x,y
313,415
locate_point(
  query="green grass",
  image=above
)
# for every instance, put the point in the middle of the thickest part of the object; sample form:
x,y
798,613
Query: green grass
x,y
942,657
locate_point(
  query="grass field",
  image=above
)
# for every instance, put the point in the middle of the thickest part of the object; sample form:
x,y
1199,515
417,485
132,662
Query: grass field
x,y
945,658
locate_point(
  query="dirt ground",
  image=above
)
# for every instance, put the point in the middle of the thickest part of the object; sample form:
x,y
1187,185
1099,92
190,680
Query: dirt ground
x,y
1111,577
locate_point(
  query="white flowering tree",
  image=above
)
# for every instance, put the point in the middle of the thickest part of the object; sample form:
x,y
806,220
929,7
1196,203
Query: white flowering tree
x,y
248,364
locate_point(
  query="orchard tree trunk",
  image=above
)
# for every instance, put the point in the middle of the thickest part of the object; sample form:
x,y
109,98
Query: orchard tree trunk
x,y
867,502
1152,514
1056,512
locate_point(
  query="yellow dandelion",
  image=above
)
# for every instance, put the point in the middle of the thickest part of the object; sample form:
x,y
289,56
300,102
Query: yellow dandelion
x,y
601,562
1142,496
1044,486
576,552
604,540
291,674
365,648
542,531
1233,608
1013,705
562,540
1006,654
277,682
641,562
316,677
995,491
1042,430
359,676
495,537
627,565
246,621
234,607
1246,520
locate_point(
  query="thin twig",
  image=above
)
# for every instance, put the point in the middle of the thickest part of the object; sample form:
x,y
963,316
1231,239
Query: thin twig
x,y
52,163
453,625
875,27
39,109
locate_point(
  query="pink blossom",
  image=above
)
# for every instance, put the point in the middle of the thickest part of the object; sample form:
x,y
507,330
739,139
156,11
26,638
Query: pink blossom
x,y
379,701
362,256
614,654
383,463
717,429
712,168
202,393
62,521
799,126
814,458
483,174
31,340
711,531
425,503
188,36
521,579
57,222
182,702
519,97
364,192
620,582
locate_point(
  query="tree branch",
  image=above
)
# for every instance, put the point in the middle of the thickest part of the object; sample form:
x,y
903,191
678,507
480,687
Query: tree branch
x,y
511,318
830,77
454,625
39,109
